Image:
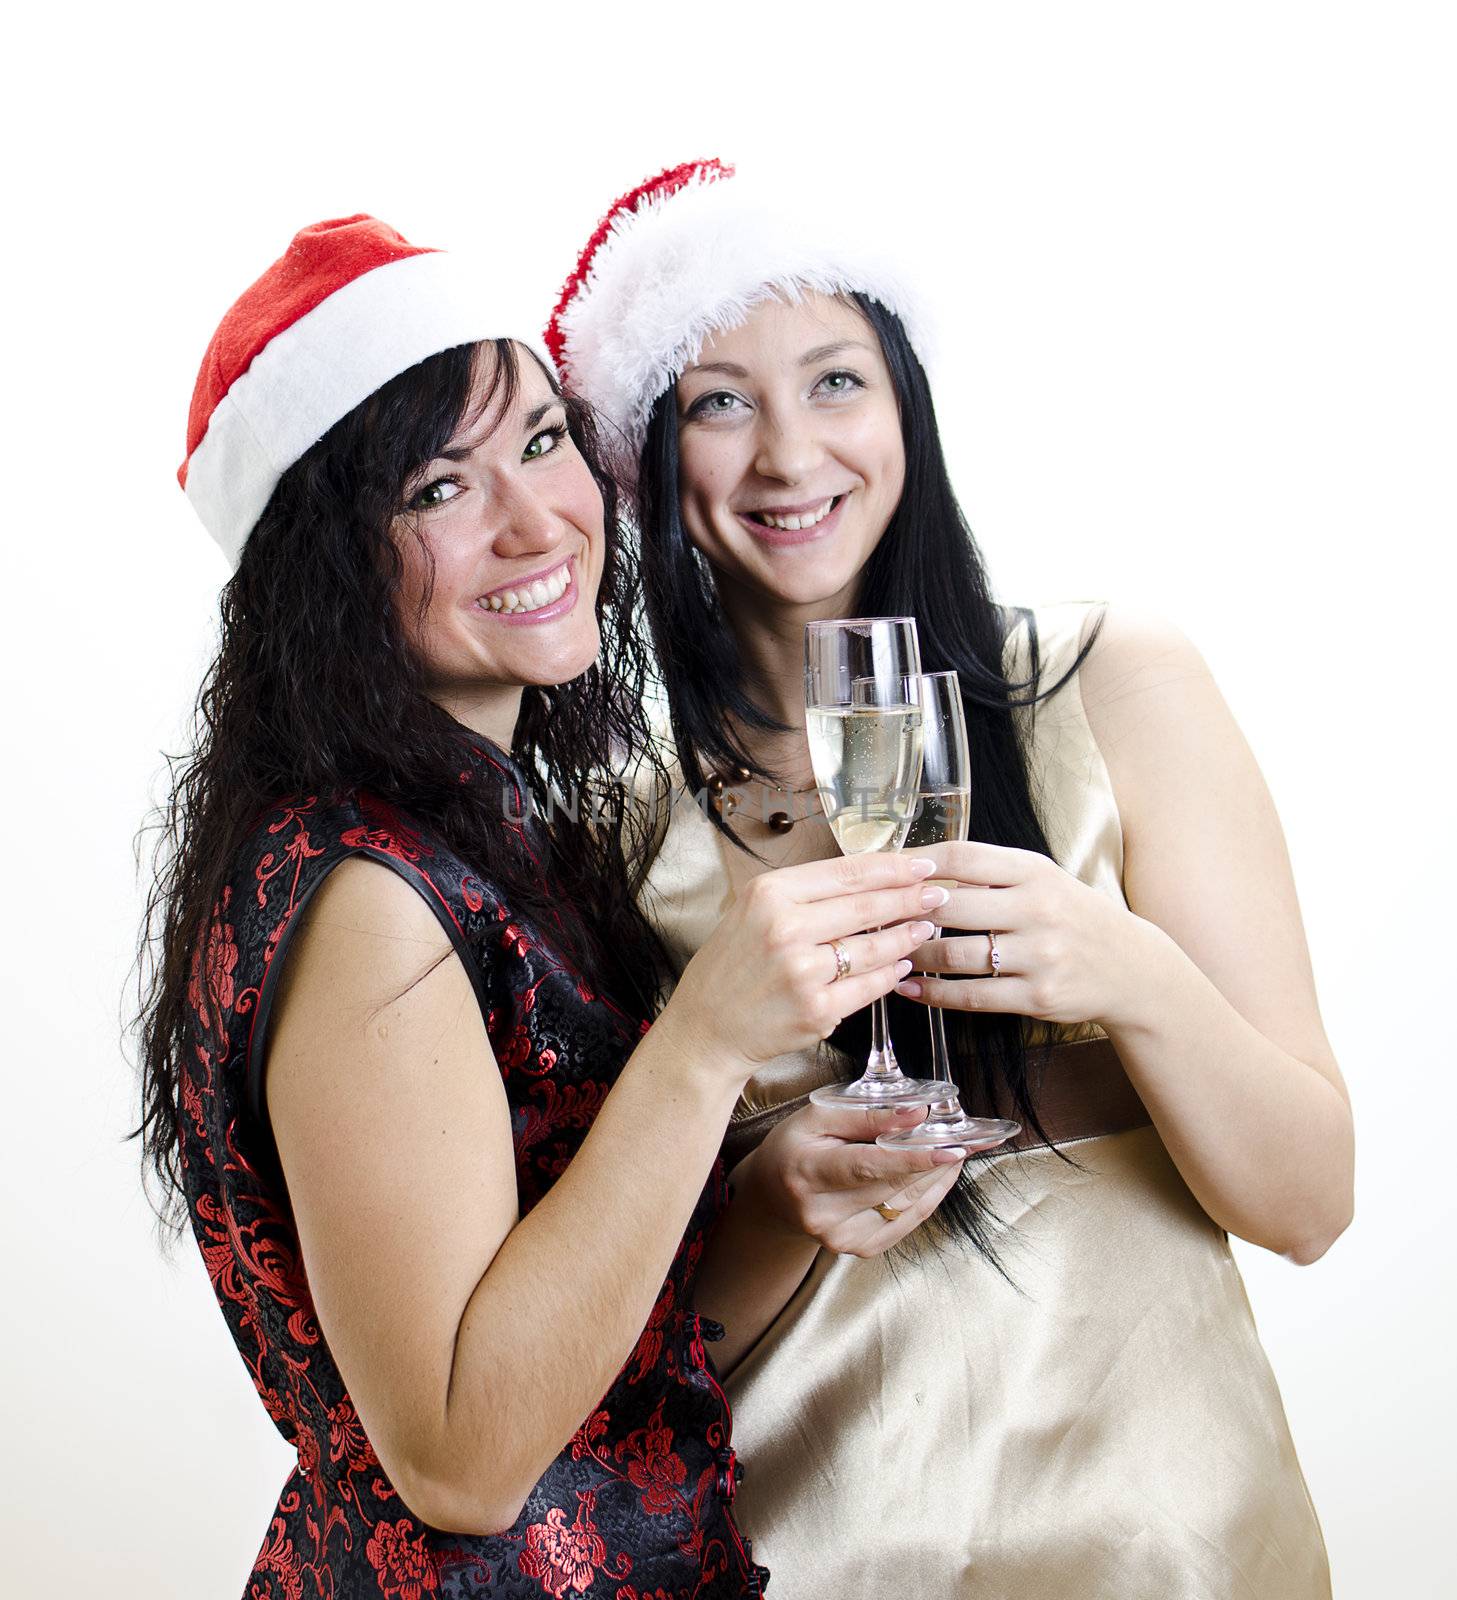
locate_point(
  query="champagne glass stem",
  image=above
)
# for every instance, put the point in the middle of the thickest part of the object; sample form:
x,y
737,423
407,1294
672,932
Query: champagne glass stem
x,y
940,1056
882,1062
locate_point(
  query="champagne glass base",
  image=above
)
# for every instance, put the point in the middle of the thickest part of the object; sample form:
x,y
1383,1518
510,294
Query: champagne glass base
x,y
952,1130
871,1094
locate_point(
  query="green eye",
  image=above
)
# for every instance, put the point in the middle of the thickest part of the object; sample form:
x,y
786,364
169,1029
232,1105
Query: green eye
x,y
721,403
434,495
544,443
840,383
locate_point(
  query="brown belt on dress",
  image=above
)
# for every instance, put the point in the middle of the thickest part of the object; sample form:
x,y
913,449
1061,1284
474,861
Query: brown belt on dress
x,y
1079,1090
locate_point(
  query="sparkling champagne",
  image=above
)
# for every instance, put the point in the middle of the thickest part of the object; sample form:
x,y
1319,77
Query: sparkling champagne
x,y
867,763
944,814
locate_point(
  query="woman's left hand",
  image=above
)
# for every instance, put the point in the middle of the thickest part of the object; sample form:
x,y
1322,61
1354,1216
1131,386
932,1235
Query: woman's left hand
x,y
820,1175
1064,952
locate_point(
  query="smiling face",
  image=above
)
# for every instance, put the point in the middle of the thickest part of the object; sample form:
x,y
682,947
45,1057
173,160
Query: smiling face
x,y
791,461
502,542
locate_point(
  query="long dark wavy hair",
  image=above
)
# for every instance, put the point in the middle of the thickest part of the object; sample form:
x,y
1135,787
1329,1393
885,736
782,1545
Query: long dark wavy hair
x,y
317,690
926,565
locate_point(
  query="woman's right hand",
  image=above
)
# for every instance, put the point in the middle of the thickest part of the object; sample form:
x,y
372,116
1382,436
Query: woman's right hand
x,y
763,984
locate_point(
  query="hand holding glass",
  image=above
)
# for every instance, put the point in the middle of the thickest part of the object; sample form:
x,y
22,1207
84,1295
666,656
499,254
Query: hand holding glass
x,y
943,813
863,721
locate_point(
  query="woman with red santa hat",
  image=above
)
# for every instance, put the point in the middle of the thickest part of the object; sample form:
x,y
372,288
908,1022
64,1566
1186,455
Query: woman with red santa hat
x,y
452,1192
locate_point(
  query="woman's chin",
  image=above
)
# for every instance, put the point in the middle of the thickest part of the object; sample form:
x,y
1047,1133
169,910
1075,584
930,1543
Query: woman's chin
x,y
808,578
811,591
562,665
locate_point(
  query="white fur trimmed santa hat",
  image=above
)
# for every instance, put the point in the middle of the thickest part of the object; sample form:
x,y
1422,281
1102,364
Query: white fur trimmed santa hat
x,y
688,254
348,306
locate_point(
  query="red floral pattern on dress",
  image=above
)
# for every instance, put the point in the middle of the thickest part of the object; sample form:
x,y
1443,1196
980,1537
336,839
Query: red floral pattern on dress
x,y
653,1465
650,1342
403,1563
308,1454
210,991
347,1442
563,1558
634,1494
278,1560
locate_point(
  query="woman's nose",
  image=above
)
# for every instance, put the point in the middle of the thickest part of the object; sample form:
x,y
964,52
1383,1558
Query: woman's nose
x,y
522,523
788,449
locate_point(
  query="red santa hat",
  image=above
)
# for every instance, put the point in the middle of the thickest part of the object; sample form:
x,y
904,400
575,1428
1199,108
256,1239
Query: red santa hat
x,y
689,253
348,306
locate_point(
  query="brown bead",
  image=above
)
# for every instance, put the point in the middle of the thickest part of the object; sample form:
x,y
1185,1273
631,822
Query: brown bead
x,y
716,783
742,774
780,822
727,804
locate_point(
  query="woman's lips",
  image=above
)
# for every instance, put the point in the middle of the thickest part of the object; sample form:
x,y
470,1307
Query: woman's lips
x,y
547,613
781,537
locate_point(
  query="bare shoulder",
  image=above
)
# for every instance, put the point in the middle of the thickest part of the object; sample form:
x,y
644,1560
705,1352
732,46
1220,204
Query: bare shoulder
x,y
367,939
1159,719
375,1014
1135,654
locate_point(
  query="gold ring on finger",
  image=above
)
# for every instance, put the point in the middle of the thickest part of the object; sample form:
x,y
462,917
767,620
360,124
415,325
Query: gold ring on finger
x,y
996,956
842,960
888,1212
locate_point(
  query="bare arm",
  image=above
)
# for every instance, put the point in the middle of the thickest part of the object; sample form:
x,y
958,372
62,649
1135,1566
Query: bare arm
x,y
475,1342
1223,1034
394,1132
1204,982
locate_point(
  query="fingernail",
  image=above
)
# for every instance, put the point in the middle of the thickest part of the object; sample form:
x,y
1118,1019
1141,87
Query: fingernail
x,y
911,1111
923,868
901,969
954,1153
934,895
911,990
921,931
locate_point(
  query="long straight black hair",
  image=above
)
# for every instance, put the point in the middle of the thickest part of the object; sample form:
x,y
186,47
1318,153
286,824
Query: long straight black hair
x,y
926,566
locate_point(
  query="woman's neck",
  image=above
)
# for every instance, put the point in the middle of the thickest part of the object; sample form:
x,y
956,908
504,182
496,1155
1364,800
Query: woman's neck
x,y
490,710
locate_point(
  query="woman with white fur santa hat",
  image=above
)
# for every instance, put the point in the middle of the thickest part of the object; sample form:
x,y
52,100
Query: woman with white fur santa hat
x,y
1060,1390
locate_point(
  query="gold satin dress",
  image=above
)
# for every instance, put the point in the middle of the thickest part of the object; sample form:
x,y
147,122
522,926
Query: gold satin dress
x,y
1107,1429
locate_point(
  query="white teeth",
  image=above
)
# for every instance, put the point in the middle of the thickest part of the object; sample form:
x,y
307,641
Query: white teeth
x,y
807,519
540,592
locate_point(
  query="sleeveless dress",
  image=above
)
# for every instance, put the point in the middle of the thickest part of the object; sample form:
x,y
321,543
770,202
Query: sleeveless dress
x,y
636,1507
1106,1426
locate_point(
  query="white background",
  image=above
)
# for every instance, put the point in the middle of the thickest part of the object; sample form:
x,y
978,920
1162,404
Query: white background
x,y
1195,267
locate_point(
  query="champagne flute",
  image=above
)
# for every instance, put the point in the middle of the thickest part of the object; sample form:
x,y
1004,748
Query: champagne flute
x,y
943,813
863,722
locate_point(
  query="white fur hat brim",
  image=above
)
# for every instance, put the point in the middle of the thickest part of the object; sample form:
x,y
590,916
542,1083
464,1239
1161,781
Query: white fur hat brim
x,y
689,261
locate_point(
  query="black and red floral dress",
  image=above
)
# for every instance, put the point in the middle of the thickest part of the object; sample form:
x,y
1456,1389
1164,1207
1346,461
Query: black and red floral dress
x,y
637,1505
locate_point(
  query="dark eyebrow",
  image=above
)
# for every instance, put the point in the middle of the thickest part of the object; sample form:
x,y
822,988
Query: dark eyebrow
x,y
462,452
823,352
730,368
